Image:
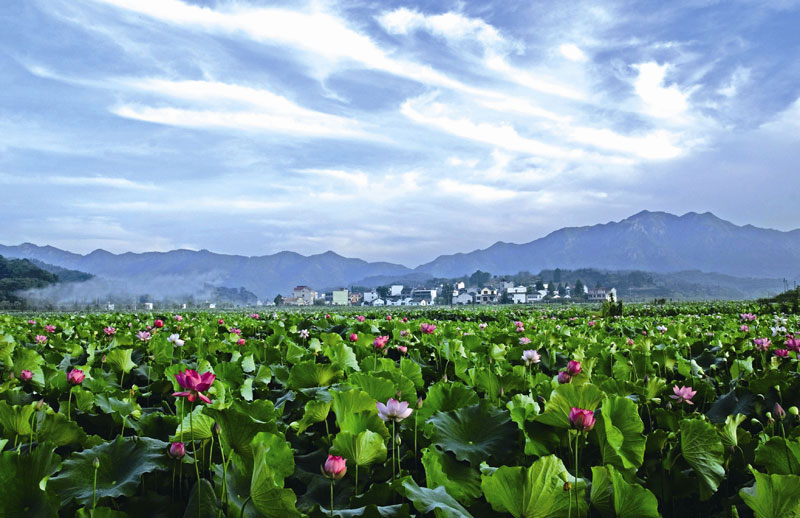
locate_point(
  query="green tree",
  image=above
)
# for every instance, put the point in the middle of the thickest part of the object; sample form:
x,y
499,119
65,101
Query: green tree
x,y
579,290
383,291
557,275
278,300
539,285
479,278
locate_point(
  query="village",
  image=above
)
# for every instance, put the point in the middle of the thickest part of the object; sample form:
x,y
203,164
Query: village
x,y
506,292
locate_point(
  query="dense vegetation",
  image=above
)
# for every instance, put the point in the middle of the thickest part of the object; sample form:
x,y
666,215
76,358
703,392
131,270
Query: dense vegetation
x,y
21,274
671,411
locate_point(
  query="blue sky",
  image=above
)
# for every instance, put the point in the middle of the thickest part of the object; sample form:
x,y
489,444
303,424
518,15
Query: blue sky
x,y
388,130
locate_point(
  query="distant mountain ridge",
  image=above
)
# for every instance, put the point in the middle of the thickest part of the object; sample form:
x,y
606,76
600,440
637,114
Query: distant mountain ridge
x,y
264,275
647,241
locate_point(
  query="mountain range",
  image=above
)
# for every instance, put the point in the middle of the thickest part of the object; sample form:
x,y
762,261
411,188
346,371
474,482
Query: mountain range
x,y
647,241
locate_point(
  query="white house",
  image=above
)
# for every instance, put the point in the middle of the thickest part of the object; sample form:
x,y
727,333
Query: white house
x,y
518,294
603,295
396,290
370,296
306,294
463,298
424,294
487,295
378,302
459,286
535,296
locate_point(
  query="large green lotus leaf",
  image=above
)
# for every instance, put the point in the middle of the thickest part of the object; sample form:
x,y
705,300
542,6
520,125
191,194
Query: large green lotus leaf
x,y
403,387
120,360
522,408
57,429
110,405
535,492
773,496
238,427
29,359
272,459
475,433
729,432
351,401
619,431
412,371
566,397
203,502
16,420
276,502
379,389
429,500
122,464
458,478
342,356
196,426
702,449
23,479
444,397
363,449
369,511
779,456
612,495
310,374
315,412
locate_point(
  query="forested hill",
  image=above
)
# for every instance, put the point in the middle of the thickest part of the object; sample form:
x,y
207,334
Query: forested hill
x,y
22,274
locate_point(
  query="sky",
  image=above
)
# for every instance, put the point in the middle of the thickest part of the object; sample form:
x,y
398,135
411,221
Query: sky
x,y
391,131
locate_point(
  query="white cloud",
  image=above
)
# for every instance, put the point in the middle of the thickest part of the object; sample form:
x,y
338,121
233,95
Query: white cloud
x,y
78,181
657,145
659,101
475,192
739,78
453,27
572,52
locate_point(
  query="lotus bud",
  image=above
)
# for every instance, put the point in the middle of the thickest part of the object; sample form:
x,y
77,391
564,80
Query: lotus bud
x,y
399,395
567,486
769,417
96,463
177,450
444,378
397,439
419,402
669,405
779,412
335,467
40,404
502,392
216,428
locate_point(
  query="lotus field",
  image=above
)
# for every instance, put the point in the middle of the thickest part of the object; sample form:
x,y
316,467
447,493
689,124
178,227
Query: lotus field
x,y
672,411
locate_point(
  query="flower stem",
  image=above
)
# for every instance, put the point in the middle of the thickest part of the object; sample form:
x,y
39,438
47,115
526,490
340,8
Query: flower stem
x,y
394,448
331,498
577,503
94,488
69,404
194,453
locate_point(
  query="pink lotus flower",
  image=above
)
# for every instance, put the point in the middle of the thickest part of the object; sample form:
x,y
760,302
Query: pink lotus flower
x,y
176,340
388,317
235,330
405,319
793,344
581,419
524,340
762,344
32,322
255,316
427,329
50,329
143,336
683,394
221,322
380,342
75,377
335,467
177,450
327,315
303,334
159,323
402,348
403,332
360,318
630,341
744,328
26,375
748,317
482,326
353,337
40,339
109,330
591,323
195,383
782,353
240,341
393,410
574,368
178,318
564,377
531,356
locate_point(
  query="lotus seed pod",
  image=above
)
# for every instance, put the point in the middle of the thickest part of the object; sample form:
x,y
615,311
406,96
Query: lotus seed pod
x,y
793,410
